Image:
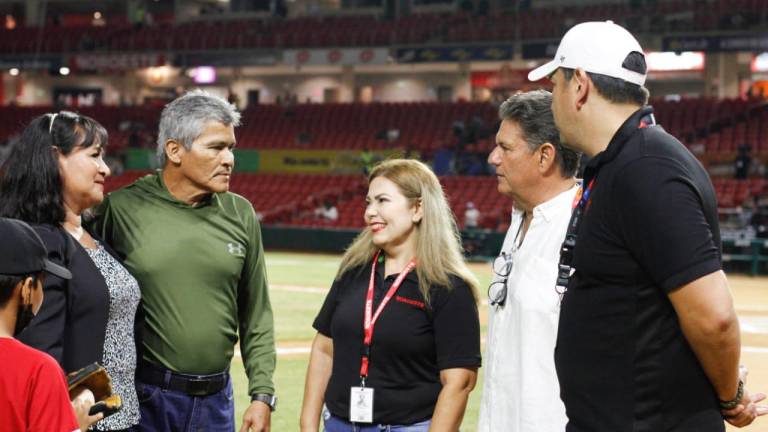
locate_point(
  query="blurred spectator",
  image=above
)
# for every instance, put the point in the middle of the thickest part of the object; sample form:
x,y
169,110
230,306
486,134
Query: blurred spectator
x,y
742,163
389,134
327,212
134,139
476,161
393,134
458,133
442,161
760,222
410,152
367,158
475,131
303,138
115,163
471,216
233,98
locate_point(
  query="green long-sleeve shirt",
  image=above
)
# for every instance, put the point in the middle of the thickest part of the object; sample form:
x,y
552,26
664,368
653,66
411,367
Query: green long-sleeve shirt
x,y
202,276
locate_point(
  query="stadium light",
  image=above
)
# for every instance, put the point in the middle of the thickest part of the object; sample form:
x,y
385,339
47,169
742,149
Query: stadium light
x,y
760,63
672,61
64,71
203,74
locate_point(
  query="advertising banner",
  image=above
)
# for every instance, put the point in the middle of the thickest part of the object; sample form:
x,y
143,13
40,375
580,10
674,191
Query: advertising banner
x,y
454,54
277,161
249,58
115,62
754,43
31,62
330,57
540,50
314,161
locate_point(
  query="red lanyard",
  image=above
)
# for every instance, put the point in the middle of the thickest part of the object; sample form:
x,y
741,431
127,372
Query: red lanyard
x,y
582,192
370,317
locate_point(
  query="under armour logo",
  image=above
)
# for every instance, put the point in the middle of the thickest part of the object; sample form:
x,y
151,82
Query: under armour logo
x,y
235,249
562,59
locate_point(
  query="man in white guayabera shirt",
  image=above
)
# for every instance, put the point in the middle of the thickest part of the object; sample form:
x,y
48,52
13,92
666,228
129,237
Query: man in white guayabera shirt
x,y
520,389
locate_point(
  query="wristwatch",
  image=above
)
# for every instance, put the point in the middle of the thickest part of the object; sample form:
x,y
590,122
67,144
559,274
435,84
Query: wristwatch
x,y
268,399
733,403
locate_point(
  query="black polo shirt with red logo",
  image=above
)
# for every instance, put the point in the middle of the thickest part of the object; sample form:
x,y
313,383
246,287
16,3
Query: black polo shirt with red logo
x,y
650,226
412,342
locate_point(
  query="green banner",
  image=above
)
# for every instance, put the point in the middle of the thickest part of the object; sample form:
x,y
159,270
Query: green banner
x,y
140,159
247,160
277,161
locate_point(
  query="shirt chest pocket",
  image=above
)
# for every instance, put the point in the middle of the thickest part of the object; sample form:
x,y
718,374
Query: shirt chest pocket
x,y
532,285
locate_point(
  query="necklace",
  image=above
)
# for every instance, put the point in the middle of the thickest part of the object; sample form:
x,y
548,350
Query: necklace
x,y
76,232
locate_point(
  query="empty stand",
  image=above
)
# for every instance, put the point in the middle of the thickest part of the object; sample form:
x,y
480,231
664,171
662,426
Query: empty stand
x,y
372,30
290,199
721,126
733,193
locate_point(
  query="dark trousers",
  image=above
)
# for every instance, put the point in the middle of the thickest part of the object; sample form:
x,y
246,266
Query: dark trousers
x,y
171,411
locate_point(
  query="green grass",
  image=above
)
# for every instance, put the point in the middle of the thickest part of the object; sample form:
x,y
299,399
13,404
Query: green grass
x,y
294,311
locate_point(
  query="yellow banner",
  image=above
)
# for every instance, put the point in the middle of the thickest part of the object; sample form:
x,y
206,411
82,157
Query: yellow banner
x,y
316,161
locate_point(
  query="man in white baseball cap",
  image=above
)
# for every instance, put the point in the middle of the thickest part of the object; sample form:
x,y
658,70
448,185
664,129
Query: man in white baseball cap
x,y
648,337
597,47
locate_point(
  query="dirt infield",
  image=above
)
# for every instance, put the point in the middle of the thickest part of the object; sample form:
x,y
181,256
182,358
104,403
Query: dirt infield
x,y
751,298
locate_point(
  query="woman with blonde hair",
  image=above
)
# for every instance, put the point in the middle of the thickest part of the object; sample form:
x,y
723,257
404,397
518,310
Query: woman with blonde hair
x,y
398,336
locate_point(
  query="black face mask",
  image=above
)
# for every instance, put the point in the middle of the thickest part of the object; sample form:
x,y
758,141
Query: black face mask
x,y
23,318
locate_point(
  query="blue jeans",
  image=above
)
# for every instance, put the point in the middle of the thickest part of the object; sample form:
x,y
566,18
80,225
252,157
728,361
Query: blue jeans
x,y
336,424
171,411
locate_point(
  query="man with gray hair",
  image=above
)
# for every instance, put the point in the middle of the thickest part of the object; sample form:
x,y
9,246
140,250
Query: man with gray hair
x,y
196,251
520,390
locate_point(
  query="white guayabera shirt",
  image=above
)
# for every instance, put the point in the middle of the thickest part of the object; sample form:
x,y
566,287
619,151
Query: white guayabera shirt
x,y
520,388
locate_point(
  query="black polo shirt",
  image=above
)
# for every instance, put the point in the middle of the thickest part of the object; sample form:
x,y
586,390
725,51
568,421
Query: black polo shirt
x,y
649,227
412,342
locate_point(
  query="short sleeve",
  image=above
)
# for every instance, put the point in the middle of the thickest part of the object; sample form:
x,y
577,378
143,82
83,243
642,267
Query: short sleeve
x,y
457,326
663,223
323,320
50,409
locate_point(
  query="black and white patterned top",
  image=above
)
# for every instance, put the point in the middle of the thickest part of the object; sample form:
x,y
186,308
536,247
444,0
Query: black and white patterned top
x,y
119,346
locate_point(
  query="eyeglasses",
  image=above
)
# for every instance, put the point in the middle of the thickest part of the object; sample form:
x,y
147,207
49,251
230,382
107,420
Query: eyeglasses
x,y
497,290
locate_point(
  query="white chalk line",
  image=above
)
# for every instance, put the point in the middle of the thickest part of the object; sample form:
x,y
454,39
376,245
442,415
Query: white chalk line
x,y
298,289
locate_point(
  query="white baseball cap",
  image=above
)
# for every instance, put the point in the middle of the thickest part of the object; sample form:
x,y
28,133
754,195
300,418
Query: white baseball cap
x,y
598,47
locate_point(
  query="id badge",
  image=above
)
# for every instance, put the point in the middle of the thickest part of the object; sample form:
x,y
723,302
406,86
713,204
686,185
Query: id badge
x,y
361,405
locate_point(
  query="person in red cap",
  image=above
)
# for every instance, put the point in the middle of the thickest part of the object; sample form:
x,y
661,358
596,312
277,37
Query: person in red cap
x,y
648,338
33,393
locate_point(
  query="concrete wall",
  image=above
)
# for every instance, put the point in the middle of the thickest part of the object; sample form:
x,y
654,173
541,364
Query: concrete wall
x,y
724,72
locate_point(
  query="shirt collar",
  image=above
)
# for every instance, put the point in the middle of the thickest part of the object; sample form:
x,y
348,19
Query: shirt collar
x,y
412,276
549,209
211,200
622,135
